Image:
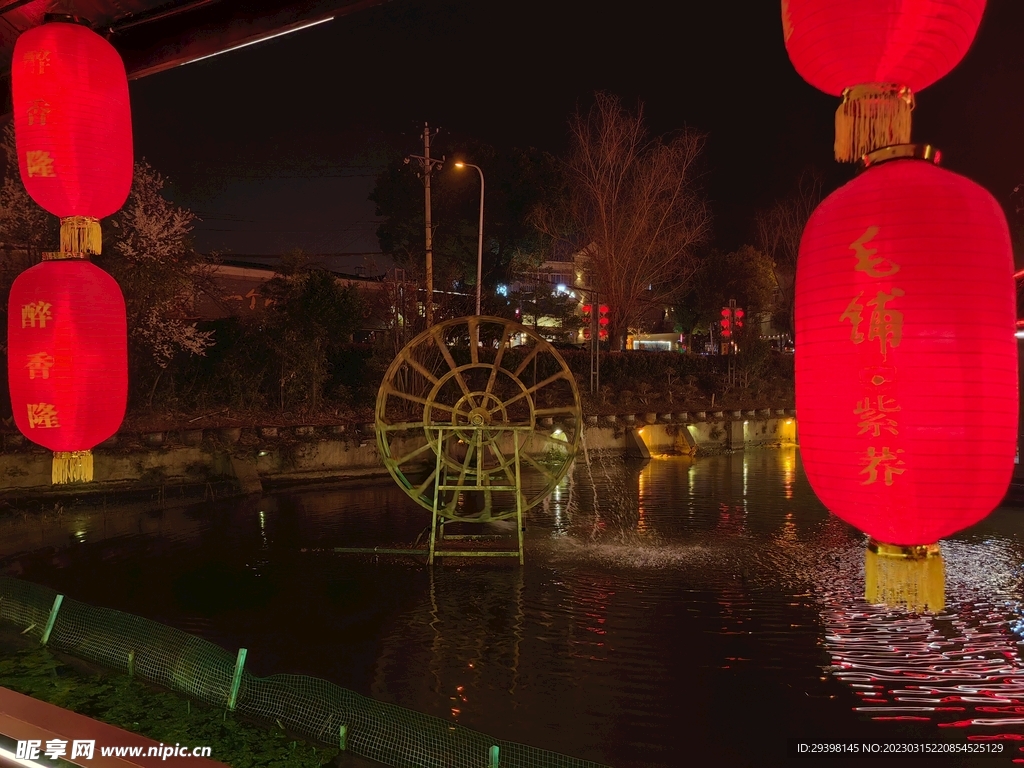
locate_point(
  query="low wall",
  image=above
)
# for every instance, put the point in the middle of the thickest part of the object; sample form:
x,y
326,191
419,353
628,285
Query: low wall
x,y
245,460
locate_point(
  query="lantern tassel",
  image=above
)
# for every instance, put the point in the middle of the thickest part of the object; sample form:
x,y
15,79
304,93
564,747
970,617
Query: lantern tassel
x,y
911,577
80,234
872,116
72,467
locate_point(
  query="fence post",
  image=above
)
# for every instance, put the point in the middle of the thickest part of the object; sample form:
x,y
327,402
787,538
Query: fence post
x,y
342,737
131,663
236,680
53,618
494,757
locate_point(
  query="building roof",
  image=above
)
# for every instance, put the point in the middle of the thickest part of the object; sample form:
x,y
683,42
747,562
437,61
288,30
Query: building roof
x,y
368,266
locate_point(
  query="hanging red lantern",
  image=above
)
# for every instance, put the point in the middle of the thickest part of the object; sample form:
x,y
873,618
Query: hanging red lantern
x,y
67,360
876,54
73,128
906,363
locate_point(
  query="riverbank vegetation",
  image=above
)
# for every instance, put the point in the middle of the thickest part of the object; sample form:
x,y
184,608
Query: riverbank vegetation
x,y
160,715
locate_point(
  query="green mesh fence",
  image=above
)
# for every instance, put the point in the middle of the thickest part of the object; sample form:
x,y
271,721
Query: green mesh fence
x,y
308,706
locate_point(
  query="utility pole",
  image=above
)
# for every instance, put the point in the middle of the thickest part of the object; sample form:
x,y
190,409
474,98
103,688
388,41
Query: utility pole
x,y
428,165
595,345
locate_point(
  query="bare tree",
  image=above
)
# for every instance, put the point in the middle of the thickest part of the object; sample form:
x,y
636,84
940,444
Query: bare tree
x,y
633,205
778,233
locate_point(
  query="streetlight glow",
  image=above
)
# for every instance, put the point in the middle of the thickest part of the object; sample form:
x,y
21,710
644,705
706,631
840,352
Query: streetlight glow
x,y
480,238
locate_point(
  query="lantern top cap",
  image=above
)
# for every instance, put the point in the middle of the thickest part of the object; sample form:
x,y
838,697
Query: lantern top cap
x,y
924,152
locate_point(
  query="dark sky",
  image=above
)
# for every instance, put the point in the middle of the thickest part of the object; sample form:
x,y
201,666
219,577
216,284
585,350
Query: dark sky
x,y
274,145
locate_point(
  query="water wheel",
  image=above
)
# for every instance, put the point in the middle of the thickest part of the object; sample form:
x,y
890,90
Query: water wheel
x,y
473,401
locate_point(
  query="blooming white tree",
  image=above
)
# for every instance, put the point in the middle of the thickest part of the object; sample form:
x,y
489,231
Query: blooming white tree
x,y
25,228
148,250
161,276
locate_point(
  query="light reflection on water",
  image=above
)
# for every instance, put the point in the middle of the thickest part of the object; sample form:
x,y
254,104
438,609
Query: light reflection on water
x,y
684,609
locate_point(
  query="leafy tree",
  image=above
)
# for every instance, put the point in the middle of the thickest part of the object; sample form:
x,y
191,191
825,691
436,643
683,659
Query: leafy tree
x,y
745,274
312,317
633,207
516,181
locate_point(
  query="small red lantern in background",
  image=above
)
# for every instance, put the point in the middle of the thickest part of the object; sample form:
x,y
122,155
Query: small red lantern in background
x,y
906,363
67,361
602,321
876,54
73,128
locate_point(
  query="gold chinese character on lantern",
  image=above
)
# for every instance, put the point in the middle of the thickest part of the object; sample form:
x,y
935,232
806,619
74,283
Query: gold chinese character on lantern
x,y
886,324
888,462
36,62
878,376
853,316
876,416
39,364
42,415
37,112
867,259
39,163
36,312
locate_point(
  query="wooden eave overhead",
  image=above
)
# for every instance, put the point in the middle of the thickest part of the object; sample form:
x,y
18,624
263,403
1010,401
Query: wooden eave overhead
x,y
154,35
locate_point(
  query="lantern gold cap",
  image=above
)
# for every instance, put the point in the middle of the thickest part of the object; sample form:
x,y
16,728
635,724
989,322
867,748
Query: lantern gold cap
x,y
900,152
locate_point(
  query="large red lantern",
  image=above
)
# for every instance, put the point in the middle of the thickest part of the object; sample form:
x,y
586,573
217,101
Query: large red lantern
x,y
73,127
67,360
876,54
906,363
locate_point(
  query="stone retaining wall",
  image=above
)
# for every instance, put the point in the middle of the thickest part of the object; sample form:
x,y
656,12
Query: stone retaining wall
x,y
247,459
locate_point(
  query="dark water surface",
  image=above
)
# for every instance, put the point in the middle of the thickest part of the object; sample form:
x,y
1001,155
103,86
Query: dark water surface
x,y
683,613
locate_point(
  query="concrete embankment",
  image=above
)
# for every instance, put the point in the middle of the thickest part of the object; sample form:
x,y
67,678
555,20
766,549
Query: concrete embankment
x,y
201,463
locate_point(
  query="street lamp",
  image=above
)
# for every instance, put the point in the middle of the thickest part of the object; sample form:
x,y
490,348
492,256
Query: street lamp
x,y
480,236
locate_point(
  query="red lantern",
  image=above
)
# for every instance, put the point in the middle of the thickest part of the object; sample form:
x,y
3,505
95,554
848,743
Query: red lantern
x,y
876,54
67,360
73,129
906,363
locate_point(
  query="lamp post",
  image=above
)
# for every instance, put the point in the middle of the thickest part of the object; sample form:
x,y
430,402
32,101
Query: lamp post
x,y
480,234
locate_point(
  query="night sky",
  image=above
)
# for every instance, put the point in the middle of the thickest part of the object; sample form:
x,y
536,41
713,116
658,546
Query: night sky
x,y
276,145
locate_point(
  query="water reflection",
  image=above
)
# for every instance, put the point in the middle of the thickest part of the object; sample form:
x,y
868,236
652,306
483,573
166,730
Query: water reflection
x,y
701,610
959,668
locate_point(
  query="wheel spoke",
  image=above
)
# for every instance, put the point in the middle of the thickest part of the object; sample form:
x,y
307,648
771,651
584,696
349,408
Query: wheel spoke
x,y
526,360
536,465
420,400
435,334
422,370
503,462
412,454
464,470
506,335
534,388
422,487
